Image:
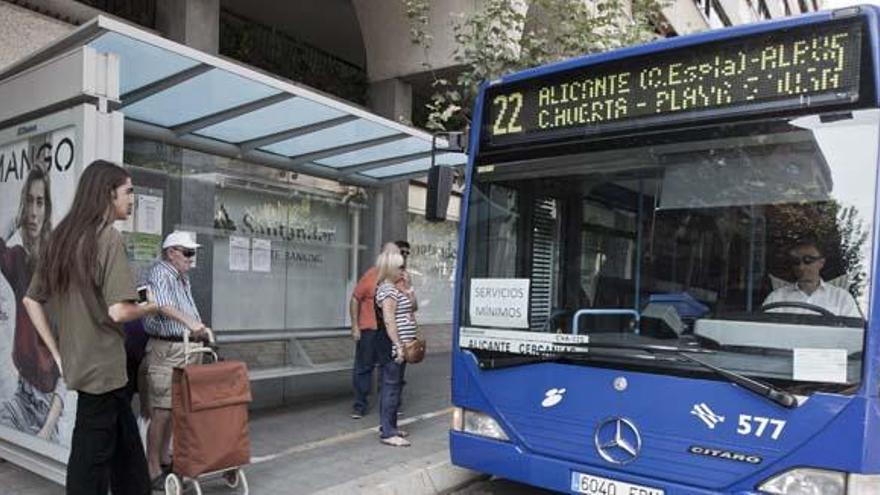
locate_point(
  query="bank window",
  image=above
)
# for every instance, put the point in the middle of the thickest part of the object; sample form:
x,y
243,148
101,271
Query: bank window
x,y
278,251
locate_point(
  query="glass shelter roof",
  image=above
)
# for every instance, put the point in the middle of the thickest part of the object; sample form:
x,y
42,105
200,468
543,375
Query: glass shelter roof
x,y
177,94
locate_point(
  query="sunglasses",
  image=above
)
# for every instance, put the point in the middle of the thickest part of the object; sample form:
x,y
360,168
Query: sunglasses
x,y
404,253
804,260
187,253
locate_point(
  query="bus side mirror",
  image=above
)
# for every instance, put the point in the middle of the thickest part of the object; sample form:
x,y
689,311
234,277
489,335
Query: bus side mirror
x,y
439,189
440,178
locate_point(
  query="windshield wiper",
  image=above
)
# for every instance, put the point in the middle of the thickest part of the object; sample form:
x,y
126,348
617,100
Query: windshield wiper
x,y
765,390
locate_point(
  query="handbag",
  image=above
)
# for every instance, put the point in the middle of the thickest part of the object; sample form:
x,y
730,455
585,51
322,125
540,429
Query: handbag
x,y
414,350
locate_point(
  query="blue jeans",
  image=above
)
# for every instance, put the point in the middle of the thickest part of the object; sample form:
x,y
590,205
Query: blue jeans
x,y
389,399
365,359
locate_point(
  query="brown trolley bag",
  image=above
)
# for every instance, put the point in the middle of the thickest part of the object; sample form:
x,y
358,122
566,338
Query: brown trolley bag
x,y
210,417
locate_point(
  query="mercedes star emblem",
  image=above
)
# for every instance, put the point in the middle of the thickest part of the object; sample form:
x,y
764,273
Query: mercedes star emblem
x,y
618,440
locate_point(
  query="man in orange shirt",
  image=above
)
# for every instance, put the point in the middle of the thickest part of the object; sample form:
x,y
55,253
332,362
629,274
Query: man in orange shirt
x,y
362,307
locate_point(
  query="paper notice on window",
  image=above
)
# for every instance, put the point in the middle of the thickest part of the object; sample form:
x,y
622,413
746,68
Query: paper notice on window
x,y
820,365
261,255
499,302
148,215
239,253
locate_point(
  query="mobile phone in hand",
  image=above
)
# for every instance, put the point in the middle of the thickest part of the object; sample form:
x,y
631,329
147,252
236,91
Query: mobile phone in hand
x,y
142,294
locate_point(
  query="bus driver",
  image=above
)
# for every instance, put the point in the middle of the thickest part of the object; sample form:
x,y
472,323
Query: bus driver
x,y
807,262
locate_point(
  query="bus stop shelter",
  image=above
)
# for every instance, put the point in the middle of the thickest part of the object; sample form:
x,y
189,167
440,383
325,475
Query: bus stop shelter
x,y
78,99
173,92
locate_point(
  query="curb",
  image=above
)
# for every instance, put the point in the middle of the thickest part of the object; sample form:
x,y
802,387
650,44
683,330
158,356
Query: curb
x,y
430,475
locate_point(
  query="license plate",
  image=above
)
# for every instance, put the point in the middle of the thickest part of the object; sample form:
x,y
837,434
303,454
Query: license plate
x,y
596,485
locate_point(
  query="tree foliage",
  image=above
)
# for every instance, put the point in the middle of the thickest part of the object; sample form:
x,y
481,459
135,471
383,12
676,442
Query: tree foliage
x,y
504,36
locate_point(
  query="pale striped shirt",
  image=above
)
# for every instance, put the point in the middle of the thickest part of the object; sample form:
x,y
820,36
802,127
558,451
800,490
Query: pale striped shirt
x,y
406,323
171,289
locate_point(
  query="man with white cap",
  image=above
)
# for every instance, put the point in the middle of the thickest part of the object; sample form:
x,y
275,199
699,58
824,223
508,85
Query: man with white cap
x,y
171,288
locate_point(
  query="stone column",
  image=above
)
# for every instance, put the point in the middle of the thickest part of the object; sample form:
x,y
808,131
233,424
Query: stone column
x,y
197,198
195,23
392,98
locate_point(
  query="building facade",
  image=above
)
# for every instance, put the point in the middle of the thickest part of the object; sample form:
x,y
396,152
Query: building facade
x,y
277,133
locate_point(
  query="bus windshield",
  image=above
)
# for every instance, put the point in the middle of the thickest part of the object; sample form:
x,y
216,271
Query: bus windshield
x,y
751,241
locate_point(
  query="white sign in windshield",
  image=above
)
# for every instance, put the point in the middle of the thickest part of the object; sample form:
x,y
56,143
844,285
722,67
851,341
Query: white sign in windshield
x,y
519,342
500,302
820,365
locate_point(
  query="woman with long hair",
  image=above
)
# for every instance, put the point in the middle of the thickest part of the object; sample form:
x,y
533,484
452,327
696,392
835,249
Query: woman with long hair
x,y
36,405
400,327
85,283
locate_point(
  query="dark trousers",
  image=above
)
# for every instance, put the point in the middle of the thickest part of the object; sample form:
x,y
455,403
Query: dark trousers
x,y
365,359
106,451
389,399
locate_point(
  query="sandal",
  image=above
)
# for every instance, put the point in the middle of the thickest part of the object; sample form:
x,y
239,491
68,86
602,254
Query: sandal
x,y
397,441
157,484
400,433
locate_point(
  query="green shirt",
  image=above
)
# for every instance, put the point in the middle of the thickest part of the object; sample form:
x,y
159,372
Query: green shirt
x,y
92,346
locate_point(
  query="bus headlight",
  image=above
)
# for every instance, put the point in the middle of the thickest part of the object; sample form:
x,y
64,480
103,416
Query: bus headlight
x,y
477,423
808,481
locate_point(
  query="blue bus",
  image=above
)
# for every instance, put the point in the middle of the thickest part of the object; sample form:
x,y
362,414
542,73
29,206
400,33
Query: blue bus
x,y
666,267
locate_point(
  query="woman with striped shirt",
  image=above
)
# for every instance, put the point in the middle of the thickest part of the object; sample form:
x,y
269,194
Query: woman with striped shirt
x,y
400,327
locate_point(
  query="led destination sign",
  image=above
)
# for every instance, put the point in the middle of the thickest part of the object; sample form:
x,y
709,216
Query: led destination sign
x,y
783,69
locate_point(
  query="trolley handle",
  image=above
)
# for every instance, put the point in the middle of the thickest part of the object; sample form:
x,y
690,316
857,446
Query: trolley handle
x,y
209,349
211,340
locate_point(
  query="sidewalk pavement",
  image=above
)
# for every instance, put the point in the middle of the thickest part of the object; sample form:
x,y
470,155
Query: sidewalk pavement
x,y
316,448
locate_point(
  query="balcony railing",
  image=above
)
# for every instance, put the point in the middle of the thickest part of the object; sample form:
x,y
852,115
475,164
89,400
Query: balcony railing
x,y
279,53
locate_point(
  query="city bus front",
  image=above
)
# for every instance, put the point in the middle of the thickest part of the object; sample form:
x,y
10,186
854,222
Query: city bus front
x,y
678,303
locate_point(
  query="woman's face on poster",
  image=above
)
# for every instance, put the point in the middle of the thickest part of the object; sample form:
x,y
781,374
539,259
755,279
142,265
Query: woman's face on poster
x,y
35,209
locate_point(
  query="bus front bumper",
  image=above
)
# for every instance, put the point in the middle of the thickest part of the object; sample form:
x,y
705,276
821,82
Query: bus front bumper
x,y
508,461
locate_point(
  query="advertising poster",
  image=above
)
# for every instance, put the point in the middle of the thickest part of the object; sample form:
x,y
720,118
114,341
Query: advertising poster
x,y
38,175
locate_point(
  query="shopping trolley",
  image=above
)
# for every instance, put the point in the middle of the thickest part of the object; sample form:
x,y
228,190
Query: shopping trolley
x,y
209,421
